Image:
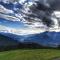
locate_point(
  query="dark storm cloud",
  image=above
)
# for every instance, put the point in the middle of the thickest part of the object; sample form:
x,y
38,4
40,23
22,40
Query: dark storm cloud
x,y
42,10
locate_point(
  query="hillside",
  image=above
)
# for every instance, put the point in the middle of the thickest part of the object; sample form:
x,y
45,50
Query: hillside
x,y
49,39
7,43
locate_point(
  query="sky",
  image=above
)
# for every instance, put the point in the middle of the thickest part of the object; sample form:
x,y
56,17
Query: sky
x,y
10,21
12,14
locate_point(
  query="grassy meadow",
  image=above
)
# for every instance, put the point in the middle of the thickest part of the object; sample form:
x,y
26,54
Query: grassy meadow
x,y
30,54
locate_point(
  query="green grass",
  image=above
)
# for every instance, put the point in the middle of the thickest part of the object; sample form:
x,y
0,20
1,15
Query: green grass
x,y
30,54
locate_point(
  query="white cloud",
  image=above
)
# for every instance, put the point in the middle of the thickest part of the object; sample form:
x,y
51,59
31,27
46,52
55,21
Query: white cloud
x,y
34,27
21,1
27,31
21,31
4,10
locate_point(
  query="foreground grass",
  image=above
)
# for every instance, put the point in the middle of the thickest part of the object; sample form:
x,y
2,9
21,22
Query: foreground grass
x,y
30,54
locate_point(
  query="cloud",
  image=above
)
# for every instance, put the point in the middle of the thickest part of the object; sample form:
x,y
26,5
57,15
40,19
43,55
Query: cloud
x,y
4,10
27,31
32,15
21,31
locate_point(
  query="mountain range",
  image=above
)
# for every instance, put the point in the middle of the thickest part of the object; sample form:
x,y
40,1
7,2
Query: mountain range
x,y
48,39
8,43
